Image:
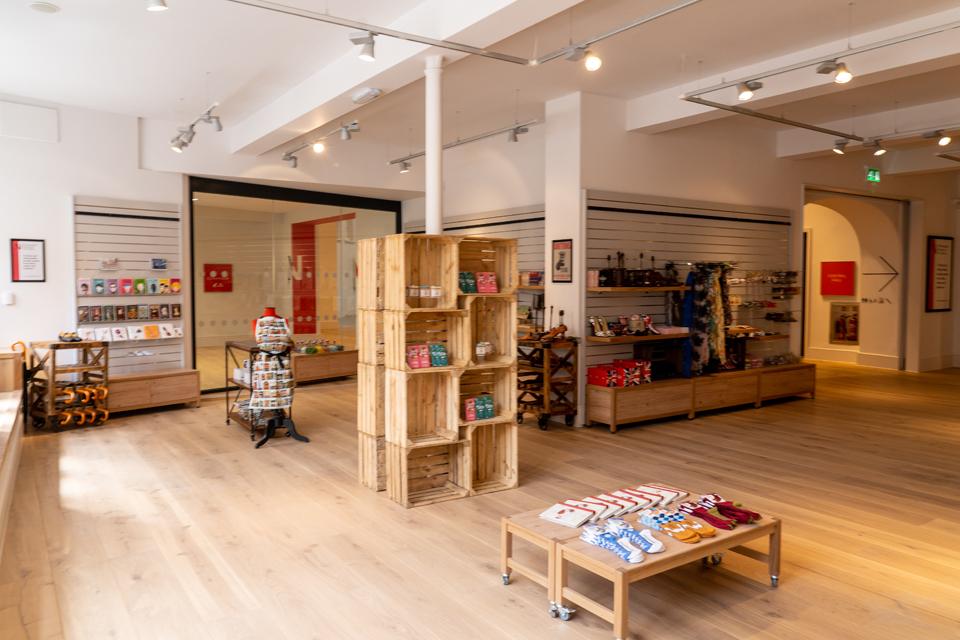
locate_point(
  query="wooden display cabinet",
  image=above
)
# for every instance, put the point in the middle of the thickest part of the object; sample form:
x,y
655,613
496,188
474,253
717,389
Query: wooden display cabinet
x,y
154,389
493,450
420,408
422,476
415,261
788,380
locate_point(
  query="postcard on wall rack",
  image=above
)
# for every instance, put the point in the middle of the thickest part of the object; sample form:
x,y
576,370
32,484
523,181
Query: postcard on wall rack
x,y
164,312
174,285
164,286
87,334
120,312
83,314
154,312
175,310
99,286
126,286
178,332
158,264
139,287
132,312
119,334
84,287
95,314
143,311
151,331
166,330
107,313
102,334
135,333
153,286
113,287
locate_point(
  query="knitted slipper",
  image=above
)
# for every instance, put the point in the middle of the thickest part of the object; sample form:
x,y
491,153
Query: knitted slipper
x,y
598,536
620,528
661,521
703,513
729,509
700,528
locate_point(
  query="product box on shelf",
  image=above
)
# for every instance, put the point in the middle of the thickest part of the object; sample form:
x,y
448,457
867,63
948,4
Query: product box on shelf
x,y
620,373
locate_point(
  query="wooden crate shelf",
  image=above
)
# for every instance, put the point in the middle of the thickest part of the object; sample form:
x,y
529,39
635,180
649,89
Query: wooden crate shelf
x,y
418,477
493,451
402,329
420,406
370,283
372,464
417,260
478,254
431,452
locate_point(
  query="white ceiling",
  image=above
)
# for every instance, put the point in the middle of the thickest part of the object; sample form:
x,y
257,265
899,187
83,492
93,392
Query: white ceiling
x,y
113,55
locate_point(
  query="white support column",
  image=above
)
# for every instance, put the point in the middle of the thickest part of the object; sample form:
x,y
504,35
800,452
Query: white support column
x,y
434,144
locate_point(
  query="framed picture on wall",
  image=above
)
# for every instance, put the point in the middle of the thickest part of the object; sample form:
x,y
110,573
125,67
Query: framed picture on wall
x,y
844,323
562,261
28,260
939,273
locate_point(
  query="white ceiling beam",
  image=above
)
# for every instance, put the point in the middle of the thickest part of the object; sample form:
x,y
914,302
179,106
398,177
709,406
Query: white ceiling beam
x,y
906,123
325,96
665,109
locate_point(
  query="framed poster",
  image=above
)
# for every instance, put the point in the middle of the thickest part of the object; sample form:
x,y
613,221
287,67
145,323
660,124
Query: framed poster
x,y
939,273
844,323
838,278
28,260
562,261
217,278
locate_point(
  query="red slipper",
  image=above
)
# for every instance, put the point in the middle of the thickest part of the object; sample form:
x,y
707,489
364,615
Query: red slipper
x,y
701,512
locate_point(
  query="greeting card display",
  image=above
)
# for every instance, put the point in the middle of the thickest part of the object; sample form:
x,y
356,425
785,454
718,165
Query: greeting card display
x,y
139,286
113,287
126,286
84,287
99,286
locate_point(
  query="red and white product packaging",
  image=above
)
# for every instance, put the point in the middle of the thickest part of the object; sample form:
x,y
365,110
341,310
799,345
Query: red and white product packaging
x,y
567,515
639,503
597,509
470,409
423,353
413,356
621,502
651,499
486,282
666,496
609,509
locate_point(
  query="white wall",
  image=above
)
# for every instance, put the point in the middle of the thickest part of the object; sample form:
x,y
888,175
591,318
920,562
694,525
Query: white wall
x,y
95,155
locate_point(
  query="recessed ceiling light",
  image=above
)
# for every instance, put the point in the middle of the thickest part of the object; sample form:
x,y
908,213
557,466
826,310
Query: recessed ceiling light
x,y
157,5
44,7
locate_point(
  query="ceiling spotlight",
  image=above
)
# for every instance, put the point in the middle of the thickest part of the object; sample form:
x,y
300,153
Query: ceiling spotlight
x,y
187,133
404,167
291,159
943,139
157,5
177,144
878,149
513,134
839,147
44,7
365,40
345,133
347,129
745,89
318,147
840,70
592,62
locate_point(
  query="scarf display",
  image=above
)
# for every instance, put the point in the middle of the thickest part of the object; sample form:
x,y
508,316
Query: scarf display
x,y
706,310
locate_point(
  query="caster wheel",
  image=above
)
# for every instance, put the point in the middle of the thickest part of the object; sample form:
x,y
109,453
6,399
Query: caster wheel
x,y
565,613
505,578
774,581
568,420
716,559
553,611
542,422
519,418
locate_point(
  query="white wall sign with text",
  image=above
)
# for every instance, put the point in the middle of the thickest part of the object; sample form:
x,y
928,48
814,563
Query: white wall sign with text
x,y
28,261
939,273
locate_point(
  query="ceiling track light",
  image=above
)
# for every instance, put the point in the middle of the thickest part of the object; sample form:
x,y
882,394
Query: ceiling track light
x,y
514,134
318,147
404,167
745,90
876,146
591,61
841,73
517,128
291,160
185,134
943,139
317,144
157,5
365,29
365,40
839,146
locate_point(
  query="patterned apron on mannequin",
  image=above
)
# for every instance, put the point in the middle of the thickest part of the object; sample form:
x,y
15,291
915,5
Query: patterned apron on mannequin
x,y
272,383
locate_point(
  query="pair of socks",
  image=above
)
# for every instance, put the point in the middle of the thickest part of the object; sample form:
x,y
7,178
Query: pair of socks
x,y
674,524
728,509
620,538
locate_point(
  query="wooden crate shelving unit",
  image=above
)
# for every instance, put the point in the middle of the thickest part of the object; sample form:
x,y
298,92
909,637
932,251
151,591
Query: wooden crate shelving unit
x,y
430,452
57,368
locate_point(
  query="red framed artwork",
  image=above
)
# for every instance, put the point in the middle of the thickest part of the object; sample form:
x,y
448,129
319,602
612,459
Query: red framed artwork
x,y
838,278
217,278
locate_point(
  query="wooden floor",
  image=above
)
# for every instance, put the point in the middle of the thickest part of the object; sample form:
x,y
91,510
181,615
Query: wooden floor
x,y
169,525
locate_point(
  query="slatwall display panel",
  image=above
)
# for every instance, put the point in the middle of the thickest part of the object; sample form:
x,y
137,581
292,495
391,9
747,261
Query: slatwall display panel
x,y
753,241
134,233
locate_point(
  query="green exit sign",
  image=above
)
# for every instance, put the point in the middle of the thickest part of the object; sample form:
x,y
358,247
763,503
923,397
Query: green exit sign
x,y
873,175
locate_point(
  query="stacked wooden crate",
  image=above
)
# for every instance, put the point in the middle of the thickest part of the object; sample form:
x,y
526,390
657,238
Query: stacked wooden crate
x,y
432,452
370,367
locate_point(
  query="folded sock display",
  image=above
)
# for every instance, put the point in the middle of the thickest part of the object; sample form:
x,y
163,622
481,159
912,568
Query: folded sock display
x,y
645,538
705,514
598,536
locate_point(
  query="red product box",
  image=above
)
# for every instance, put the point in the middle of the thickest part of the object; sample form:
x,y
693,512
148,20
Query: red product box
x,y
413,356
423,353
486,282
470,409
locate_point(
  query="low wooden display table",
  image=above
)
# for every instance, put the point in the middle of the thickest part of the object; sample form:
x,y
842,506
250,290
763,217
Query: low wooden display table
x,y
564,548
130,391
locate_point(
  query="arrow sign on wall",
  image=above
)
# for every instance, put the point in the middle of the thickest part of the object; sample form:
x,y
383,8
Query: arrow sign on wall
x,y
893,273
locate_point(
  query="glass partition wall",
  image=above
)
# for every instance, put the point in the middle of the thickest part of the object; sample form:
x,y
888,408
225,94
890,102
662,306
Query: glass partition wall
x,y
299,257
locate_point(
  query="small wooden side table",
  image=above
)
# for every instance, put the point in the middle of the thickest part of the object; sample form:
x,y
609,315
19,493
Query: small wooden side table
x,y
531,527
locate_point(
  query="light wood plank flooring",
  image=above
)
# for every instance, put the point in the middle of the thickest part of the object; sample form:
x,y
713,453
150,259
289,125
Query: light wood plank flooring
x,y
169,525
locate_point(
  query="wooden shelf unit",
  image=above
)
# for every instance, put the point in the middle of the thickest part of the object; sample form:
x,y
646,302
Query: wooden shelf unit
x,y
615,406
635,339
50,377
430,452
129,391
664,289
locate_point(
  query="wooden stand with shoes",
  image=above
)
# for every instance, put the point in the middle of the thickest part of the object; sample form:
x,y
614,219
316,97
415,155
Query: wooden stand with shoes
x,y
564,549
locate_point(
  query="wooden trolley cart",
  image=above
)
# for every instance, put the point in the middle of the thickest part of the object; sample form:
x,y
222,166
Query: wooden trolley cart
x,y
547,379
66,391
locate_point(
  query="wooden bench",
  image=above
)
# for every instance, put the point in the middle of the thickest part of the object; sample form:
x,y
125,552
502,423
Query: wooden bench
x,y
154,389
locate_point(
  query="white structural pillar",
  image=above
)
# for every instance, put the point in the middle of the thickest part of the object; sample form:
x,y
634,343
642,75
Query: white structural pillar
x,y
434,144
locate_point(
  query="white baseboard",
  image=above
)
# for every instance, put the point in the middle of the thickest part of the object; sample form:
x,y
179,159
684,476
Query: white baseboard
x,y
832,355
878,360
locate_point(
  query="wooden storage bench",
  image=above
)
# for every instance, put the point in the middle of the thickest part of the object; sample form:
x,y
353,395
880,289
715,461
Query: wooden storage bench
x,y
310,367
154,389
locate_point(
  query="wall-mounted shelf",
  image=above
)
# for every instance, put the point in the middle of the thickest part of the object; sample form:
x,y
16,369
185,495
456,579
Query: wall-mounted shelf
x,y
679,287
530,287
634,339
